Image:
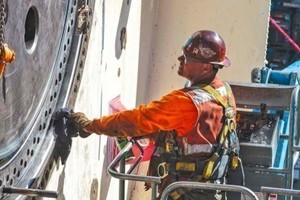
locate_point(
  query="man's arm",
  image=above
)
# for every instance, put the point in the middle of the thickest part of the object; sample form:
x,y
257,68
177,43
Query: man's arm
x,y
174,111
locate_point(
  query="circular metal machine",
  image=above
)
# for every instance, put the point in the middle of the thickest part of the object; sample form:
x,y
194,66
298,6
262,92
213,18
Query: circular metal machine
x,y
50,47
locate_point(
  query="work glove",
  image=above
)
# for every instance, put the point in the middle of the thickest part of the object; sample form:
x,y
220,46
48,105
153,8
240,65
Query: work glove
x,y
79,121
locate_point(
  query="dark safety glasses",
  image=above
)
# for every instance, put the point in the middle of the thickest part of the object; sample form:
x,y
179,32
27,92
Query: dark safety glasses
x,y
188,58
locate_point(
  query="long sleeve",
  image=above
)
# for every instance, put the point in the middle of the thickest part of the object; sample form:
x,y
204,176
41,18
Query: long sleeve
x,y
174,111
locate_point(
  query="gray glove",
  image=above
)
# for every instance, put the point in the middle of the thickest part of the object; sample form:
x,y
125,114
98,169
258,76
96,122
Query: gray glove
x,y
79,121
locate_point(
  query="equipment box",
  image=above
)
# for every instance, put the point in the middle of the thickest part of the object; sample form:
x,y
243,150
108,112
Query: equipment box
x,y
258,134
268,126
261,110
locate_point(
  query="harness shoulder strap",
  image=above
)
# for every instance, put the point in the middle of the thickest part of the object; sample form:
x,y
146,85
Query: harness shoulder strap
x,y
229,123
228,126
213,92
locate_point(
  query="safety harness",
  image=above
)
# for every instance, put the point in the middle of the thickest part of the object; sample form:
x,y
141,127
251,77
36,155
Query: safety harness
x,y
228,141
166,161
227,151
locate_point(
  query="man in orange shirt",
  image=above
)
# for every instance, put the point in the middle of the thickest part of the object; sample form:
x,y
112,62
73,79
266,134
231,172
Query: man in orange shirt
x,y
186,123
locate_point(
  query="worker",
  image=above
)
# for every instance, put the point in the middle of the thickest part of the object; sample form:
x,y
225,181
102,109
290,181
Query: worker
x,y
186,123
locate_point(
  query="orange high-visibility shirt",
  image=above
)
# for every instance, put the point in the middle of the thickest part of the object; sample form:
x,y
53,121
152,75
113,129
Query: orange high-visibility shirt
x,y
174,111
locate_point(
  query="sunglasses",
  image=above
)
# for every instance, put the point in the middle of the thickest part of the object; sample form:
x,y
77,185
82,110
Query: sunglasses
x,y
188,58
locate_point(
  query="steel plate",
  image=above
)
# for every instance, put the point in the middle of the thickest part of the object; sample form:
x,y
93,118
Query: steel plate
x,y
45,76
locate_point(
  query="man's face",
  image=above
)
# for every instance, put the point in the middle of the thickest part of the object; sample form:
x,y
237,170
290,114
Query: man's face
x,y
191,68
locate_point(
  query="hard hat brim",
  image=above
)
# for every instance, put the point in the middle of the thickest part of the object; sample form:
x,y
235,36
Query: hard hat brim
x,y
226,62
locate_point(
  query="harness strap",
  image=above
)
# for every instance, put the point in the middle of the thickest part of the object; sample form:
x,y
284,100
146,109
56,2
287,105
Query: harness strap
x,y
213,92
176,194
188,167
208,170
228,126
229,123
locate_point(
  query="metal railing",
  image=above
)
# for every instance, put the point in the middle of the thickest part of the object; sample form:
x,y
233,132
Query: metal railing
x,y
122,175
279,191
156,180
128,176
207,186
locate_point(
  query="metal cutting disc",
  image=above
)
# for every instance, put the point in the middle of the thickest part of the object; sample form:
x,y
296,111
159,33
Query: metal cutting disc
x,y
45,75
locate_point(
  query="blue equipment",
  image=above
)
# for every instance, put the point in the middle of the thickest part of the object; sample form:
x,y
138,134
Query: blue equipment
x,y
268,123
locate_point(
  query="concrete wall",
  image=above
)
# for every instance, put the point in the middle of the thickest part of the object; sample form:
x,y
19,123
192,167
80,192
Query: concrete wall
x,y
147,68
156,31
242,24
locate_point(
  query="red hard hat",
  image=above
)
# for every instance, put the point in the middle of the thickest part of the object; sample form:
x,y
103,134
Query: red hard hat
x,y
208,47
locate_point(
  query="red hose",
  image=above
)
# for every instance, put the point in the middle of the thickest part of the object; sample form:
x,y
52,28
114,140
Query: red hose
x,y
291,41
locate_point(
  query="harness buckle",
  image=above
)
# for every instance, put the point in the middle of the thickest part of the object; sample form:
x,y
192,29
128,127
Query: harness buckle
x,y
163,170
234,162
229,112
212,164
185,166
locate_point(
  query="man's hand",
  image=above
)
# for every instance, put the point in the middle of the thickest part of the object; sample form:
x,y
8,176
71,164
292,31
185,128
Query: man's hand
x,y
79,121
